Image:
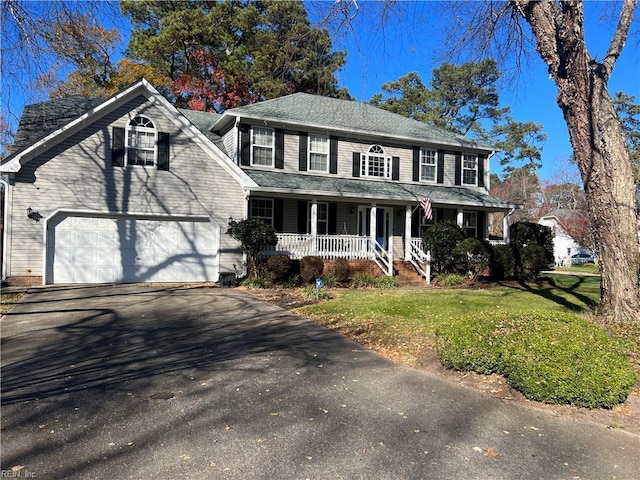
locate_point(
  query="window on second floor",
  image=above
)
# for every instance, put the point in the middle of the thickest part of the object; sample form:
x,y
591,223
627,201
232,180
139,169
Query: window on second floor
x,y
318,153
141,147
428,165
262,146
262,208
469,169
375,163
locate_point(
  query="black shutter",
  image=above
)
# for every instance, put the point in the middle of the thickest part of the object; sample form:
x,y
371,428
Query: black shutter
x,y
332,228
416,164
163,150
440,178
302,216
279,148
278,213
481,216
395,168
302,149
117,147
415,223
333,155
245,145
481,159
356,164
458,175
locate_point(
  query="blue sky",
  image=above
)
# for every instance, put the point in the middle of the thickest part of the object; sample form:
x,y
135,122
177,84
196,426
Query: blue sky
x,y
376,56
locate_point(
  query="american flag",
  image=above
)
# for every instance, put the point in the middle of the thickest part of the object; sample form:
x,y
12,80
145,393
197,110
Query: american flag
x,y
426,206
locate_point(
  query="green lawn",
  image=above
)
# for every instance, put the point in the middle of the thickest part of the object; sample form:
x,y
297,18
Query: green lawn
x,y
403,323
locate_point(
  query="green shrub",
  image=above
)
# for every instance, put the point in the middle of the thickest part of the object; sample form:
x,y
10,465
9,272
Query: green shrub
x,y
311,267
329,281
503,263
341,270
366,280
253,234
363,280
278,268
257,282
441,239
553,357
533,260
449,279
386,282
472,255
293,281
310,292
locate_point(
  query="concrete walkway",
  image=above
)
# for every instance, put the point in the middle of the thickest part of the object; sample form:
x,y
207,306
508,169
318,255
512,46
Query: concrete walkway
x,y
161,382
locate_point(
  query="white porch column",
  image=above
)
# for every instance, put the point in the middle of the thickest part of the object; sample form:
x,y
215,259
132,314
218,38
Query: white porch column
x,y
314,225
373,226
460,218
506,229
407,231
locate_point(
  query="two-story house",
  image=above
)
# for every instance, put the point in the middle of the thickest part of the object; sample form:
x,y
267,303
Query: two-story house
x,y
131,189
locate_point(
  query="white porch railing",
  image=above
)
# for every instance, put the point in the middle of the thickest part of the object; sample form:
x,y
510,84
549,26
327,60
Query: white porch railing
x,y
420,259
383,259
295,245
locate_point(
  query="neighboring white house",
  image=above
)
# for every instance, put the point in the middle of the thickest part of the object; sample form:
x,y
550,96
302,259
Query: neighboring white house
x,y
131,189
564,245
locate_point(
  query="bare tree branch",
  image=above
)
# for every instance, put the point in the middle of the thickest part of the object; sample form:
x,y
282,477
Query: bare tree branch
x,y
620,37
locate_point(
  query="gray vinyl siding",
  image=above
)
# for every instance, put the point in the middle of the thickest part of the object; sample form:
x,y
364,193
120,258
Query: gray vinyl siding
x,y
77,174
346,148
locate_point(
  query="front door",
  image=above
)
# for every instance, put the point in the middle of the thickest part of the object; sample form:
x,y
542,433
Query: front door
x,y
383,219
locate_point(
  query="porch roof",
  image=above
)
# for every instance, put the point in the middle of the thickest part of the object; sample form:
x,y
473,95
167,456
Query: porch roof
x,y
378,190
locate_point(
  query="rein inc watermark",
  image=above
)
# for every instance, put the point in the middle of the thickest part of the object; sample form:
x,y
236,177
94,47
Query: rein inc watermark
x,y
17,472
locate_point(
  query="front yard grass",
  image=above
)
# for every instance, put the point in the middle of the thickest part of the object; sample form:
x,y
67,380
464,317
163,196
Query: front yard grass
x,y
7,300
551,348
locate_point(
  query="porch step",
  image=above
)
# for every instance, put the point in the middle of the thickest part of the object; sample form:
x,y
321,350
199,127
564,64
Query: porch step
x,y
406,275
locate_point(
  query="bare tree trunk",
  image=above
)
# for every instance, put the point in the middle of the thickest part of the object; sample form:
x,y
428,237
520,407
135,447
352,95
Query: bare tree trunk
x,y
598,142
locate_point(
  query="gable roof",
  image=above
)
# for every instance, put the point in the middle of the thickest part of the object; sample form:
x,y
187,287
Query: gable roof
x,y
62,124
40,119
346,116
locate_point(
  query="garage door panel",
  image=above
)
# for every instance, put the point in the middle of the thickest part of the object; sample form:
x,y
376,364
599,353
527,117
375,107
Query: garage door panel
x,y
126,249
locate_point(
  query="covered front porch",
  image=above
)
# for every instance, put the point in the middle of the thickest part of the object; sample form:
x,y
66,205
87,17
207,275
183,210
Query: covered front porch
x,y
382,233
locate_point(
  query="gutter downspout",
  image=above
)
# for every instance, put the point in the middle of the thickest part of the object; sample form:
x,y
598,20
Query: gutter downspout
x,y
5,227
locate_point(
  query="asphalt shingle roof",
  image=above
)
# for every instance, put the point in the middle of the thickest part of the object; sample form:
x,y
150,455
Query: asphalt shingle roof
x,y
40,119
333,113
203,121
365,188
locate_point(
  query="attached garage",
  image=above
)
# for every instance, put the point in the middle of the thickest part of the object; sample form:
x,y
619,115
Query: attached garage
x,y
89,248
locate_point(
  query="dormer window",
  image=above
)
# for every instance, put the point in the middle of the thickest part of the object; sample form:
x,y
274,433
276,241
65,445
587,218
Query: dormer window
x,y
141,142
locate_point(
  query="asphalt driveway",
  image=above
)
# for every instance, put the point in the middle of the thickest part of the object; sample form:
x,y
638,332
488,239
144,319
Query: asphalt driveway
x,y
161,382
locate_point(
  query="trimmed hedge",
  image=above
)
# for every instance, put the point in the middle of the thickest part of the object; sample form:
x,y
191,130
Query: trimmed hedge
x,y
557,358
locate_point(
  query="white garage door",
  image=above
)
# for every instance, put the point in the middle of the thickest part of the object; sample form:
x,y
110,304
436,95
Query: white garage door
x,y
126,249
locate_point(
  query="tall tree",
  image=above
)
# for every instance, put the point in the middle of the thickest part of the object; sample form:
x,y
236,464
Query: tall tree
x,y
464,99
629,114
38,42
237,52
555,29
595,132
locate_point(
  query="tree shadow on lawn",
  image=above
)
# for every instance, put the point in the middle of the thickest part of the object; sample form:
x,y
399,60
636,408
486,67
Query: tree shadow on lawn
x,y
575,300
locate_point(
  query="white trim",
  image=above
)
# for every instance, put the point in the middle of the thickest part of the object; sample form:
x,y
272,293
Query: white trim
x,y
5,232
327,153
153,96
